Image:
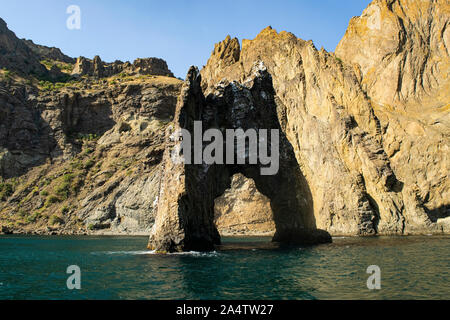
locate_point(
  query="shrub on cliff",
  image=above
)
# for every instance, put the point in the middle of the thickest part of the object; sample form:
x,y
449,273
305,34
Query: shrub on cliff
x,y
6,190
54,219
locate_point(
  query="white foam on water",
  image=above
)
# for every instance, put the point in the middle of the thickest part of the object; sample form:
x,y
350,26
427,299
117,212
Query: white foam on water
x,y
196,254
148,252
144,252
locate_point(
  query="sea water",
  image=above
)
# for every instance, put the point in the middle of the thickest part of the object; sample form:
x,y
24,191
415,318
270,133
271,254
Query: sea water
x,y
34,267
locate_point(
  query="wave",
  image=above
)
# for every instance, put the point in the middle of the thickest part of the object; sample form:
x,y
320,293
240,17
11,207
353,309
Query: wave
x,y
148,252
196,254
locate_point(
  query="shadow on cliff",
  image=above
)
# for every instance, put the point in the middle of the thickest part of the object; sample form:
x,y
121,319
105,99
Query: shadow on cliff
x,y
441,212
290,197
24,133
35,134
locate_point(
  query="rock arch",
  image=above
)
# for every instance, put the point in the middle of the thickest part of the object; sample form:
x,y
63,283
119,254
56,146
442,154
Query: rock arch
x,y
185,211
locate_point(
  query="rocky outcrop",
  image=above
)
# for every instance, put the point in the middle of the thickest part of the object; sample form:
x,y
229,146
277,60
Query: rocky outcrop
x,y
333,130
243,210
400,50
98,68
15,55
90,158
25,138
151,66
84,156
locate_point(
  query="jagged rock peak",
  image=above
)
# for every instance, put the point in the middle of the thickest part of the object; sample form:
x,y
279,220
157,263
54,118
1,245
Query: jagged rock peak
x,y
228,49
234,62
269,32
225,53
100,69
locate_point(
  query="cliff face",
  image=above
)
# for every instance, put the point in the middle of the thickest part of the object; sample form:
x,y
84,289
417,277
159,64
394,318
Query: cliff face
x,y
84,158
16,55
80,155
400,50
400,53
185,211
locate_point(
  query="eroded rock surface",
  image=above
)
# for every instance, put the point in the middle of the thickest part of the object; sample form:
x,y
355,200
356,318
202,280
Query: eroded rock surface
x,y
100,69
400,49
400,52
243,210
16,55
47,53
89,159
332,127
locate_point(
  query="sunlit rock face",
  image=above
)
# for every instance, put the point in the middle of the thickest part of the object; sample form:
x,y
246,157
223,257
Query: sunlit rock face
x,y
400,53
243,210
99,69
332,128
400,50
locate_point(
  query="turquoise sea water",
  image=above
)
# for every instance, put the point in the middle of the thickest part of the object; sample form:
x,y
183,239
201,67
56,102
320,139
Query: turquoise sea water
x,y
251,268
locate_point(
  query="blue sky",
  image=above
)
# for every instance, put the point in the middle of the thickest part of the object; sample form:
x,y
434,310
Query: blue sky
x,y
182,32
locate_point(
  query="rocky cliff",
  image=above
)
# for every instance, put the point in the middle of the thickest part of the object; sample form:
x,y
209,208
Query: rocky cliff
x,y
80,154
16,55
84,145
400,53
